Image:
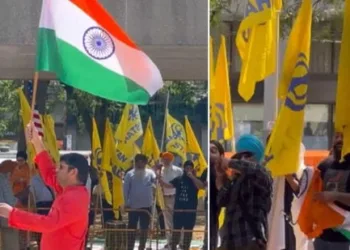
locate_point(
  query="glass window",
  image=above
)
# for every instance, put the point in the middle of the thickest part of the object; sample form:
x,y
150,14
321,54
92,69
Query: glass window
x,y
316,126
248,118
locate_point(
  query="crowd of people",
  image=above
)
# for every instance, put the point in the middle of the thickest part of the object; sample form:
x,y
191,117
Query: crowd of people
x,y
62,196
180,188
244,187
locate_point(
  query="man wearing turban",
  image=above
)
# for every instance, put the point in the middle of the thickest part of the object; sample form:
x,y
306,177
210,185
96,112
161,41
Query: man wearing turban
x,y
168,173
246,194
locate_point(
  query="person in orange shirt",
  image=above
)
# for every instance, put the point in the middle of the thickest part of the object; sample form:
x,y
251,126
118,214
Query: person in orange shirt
x,y
20,176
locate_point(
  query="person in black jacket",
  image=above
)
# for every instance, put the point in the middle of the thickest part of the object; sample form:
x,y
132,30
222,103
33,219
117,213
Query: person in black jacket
x,y
217,154
245,192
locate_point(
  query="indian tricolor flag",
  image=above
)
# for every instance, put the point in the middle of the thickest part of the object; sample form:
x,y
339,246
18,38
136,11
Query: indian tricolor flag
x,y
314,216
80,42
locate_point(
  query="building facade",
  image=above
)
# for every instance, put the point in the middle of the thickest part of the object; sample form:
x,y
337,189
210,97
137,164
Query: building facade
x,y
319,111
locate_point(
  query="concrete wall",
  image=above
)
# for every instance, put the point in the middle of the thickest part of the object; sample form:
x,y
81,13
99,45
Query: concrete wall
x,y
173,33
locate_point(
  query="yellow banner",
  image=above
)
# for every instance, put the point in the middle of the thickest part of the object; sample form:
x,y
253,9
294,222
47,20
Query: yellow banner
x,y
175,137
284,144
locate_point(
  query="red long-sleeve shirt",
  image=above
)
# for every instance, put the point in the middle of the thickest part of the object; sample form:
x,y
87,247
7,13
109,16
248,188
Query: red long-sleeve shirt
x,y
65,227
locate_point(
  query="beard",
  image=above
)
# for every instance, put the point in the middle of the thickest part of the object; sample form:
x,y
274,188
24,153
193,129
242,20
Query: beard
x,y
140,173
337,150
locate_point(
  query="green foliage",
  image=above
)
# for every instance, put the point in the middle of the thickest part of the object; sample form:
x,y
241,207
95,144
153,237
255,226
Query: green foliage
x,y
9,108
216,9
327,16
81,106
327,19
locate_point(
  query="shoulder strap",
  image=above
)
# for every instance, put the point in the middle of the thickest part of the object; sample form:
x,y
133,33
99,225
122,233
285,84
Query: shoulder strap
x,y
51,192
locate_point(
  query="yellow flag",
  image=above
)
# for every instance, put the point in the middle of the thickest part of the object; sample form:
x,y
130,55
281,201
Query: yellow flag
x,y
110,163
150,146
128,132
97,161
175,137
222,217
50,140
342,119
256,44
194,149
222,127
293,51
284,145
107,149
277,4
26,114
151,150
216,117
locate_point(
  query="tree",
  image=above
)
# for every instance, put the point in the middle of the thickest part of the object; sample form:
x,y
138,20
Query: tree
x,y
327,15
9,109
80,106
184,96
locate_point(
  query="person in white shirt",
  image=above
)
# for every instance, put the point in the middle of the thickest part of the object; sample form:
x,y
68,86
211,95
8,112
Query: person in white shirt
x,y
168,173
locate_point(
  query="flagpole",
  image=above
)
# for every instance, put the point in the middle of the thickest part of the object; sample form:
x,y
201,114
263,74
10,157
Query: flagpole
x,y
279,182
157,182
164,123
277,59
35,90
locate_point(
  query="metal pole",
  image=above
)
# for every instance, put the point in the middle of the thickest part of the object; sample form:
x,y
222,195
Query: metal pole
x,y
271,87
164,123
157,182
271,105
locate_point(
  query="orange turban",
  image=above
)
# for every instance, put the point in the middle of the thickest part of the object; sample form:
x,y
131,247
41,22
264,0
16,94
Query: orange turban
x,y
167,156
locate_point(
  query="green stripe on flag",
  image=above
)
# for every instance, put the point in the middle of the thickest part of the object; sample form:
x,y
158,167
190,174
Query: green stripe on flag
x,y
344,232
78,70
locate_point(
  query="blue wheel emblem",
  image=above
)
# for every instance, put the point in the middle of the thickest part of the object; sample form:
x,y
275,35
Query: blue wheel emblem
x,y
98,43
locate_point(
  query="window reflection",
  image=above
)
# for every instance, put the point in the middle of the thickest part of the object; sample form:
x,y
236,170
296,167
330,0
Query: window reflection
x,y
249,119
316,126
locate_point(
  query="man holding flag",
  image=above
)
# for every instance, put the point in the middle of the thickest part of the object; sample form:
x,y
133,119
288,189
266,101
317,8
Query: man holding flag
x,y
65,226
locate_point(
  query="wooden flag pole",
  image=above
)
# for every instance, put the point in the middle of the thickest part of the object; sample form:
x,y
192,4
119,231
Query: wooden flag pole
x,y
35,90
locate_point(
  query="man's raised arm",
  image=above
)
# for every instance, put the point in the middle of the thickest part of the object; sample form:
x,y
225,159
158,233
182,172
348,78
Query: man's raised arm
x,y
44,161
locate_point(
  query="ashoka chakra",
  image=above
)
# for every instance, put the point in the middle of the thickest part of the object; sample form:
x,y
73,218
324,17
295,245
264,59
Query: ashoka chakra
x,y
98,43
